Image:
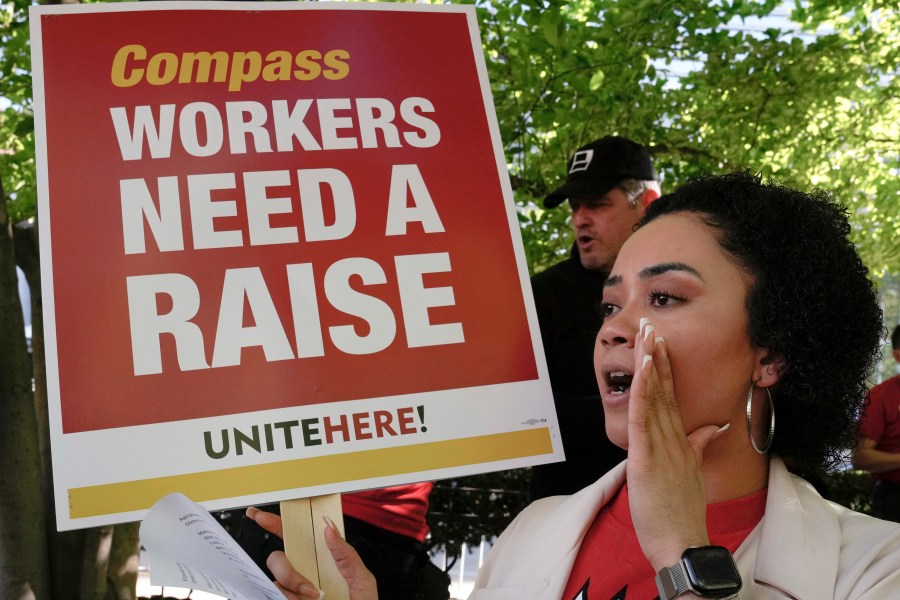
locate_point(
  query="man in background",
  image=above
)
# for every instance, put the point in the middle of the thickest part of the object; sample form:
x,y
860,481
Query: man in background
x,y
609,185
878,450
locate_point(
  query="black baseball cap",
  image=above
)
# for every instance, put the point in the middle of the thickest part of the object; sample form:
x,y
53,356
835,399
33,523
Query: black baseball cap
x,y
598,167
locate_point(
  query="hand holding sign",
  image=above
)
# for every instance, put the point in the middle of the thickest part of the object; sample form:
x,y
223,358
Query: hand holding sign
x,y
360,581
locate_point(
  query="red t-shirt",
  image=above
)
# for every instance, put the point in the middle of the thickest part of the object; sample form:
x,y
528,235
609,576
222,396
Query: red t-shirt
x,y
400,509
880,421
611,566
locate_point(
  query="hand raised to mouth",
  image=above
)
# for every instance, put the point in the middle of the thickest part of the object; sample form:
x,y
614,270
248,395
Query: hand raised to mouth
x,y
666,489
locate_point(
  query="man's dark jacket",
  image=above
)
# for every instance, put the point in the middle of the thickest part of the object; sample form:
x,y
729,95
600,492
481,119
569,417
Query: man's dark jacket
x,y
567,297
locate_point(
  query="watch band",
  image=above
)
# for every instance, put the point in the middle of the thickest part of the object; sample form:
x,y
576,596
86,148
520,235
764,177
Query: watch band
x,y
672,581
705,571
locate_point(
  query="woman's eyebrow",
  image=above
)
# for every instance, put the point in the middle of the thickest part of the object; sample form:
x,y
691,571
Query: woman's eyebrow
x,y
657,270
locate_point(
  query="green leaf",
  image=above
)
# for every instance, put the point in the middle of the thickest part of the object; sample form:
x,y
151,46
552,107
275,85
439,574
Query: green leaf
x,y
550,27
25,126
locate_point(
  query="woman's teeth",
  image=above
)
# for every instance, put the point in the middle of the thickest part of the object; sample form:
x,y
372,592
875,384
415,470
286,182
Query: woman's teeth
x,y
619,381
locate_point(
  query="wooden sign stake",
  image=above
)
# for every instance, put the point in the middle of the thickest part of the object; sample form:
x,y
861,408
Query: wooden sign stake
x,y
304,541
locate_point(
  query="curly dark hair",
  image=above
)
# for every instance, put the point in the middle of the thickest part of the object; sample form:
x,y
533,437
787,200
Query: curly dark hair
x,y
811,304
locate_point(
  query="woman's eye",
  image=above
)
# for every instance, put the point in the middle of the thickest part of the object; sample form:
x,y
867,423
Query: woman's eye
x,y
605,309
663,299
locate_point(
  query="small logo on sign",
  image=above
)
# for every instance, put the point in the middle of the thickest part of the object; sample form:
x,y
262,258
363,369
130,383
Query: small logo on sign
x,y
581,161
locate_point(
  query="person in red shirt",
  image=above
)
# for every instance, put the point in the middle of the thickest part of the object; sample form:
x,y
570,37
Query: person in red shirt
x,y
713,325
878,450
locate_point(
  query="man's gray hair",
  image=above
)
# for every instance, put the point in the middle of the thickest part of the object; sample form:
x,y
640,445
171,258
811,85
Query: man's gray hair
x,y
634,188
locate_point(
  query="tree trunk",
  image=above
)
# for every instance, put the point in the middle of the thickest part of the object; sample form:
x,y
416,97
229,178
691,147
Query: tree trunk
x,y
96,564
70,569
23,549
124,557
65,548
110,567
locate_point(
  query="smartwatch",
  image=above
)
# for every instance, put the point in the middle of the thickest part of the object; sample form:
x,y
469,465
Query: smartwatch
x,y
707,571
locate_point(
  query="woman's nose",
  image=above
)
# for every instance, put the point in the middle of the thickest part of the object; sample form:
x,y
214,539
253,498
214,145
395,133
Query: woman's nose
x,y
619,329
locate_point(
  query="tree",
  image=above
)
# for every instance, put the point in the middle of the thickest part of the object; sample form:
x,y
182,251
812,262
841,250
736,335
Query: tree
x,y
685,77
23,547
809,110
22,537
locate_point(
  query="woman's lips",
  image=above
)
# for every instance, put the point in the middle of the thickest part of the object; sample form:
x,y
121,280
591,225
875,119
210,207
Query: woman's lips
x,y
618,381
616,386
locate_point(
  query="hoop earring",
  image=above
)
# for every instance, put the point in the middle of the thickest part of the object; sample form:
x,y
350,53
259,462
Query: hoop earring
x,y
768,442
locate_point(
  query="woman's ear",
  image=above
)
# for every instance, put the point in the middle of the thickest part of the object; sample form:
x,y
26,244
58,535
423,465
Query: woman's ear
x,y
769,367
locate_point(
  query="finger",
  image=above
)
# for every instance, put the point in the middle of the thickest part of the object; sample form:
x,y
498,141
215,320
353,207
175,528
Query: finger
x,y
656,413
292,596
655,386
640,407
268,521
643,360
289,579
359,579
663,368
700,438
664,385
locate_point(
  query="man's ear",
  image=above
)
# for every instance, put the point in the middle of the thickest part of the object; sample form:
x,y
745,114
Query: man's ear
x,y
647,197
896,355
769,367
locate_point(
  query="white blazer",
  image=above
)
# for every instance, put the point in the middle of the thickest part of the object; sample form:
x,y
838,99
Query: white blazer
x,y
804,548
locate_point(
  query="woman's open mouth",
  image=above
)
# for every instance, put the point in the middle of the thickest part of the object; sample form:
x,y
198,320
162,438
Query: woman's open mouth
x,y
618,382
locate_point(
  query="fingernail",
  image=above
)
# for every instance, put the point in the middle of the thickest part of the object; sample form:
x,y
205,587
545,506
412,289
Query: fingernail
x,y
723,428
647,332
251,510
659,339
331,524
647,358
643,323
311,591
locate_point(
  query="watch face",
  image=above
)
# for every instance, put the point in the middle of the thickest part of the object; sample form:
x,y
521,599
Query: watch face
x,y
711,571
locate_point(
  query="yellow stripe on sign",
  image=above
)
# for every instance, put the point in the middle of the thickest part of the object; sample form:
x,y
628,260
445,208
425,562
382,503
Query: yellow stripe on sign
x,y
127,496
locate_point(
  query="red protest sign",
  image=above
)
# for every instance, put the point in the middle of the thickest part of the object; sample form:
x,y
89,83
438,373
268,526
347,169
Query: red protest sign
x,y
259,210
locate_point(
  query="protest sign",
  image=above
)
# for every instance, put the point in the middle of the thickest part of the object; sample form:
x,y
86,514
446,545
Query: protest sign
x,y
280,256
